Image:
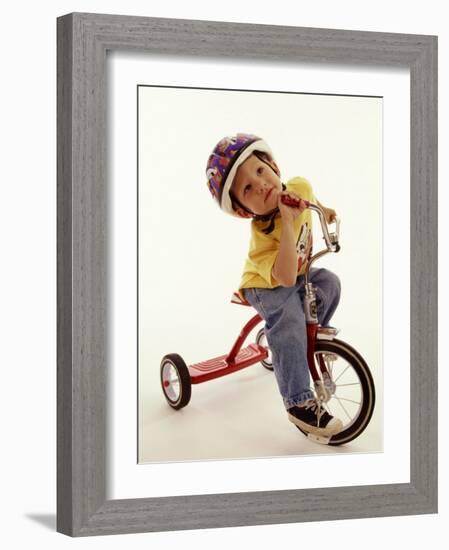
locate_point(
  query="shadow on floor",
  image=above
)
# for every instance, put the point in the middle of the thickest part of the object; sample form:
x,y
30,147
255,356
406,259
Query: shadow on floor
x,y
47,520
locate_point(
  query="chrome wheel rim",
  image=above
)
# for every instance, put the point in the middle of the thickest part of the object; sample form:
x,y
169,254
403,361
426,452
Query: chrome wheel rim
x,y
262,341
347,397
171,382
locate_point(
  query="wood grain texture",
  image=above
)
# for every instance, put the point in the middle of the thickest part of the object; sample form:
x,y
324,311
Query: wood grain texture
x,y
64,277
83,40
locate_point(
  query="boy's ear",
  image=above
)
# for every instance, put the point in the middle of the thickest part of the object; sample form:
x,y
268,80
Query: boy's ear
x,y
242,213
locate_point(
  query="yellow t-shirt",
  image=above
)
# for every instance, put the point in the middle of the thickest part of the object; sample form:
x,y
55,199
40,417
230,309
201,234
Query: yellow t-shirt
x,y
263,248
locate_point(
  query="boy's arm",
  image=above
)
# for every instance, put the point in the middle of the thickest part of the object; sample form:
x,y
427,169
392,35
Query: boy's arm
x,y
285,268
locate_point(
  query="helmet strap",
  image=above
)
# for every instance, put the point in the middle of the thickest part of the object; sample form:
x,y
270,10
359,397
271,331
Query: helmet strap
x,y
269,217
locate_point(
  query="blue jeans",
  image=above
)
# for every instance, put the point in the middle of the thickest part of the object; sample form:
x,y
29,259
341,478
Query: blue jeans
x,y
285,329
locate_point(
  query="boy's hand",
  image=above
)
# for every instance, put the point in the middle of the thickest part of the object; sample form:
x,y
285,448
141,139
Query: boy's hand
x,y
290,213
329,214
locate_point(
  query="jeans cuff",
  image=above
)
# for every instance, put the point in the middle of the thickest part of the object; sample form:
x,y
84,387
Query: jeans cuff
x,y
295,402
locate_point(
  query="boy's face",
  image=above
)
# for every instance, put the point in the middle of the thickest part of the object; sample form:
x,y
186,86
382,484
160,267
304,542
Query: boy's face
x,y
257,186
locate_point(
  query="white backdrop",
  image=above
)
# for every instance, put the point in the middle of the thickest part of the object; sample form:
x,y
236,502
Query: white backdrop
x,y
28,275
191,255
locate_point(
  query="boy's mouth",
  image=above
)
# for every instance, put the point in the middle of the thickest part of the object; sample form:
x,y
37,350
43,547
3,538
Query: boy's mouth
x,y
267,196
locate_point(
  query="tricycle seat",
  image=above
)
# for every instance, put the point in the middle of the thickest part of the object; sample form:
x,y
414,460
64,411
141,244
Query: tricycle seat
x,y
237,298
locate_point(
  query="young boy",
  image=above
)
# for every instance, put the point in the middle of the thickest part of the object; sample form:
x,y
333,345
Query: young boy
x,y
245,181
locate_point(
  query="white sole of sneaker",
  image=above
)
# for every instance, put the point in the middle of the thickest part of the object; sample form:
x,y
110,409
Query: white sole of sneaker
x,y
335,427
319,439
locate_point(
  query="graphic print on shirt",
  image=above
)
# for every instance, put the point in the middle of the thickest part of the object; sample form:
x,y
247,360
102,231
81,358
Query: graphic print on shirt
x,y
304,246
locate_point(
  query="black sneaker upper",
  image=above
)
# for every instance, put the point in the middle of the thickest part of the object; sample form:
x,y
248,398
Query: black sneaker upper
x,y
312,413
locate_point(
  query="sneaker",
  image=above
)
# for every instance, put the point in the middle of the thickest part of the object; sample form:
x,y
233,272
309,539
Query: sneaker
x,y
311,417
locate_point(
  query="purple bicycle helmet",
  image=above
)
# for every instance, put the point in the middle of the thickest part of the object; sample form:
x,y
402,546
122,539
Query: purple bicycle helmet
x,y
229,153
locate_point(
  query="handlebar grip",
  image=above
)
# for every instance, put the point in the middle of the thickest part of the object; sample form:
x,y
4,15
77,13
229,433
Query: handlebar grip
x,y
290,201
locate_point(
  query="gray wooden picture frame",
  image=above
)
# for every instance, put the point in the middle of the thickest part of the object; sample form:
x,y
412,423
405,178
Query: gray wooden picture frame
x,y
83,40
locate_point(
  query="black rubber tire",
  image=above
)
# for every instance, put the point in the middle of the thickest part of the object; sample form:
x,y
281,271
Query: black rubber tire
x,y
261,334
185,385
358,364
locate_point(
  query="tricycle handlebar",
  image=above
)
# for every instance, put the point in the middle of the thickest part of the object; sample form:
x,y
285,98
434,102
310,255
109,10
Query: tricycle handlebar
x,y
331,239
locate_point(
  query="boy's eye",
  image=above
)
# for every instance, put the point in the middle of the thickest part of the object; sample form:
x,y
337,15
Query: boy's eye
x,y
260,170
246,189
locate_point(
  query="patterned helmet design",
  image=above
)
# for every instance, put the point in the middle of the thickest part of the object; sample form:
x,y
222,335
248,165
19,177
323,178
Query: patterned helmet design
x,y
229,153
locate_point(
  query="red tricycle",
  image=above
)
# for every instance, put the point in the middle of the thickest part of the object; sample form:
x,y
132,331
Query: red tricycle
x,y
342,381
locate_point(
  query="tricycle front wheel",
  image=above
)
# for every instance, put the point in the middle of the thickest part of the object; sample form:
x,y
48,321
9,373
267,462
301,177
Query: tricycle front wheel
x,y
175,381
353,393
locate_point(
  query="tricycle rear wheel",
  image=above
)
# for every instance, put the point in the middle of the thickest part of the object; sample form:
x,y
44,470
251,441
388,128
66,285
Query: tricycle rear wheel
x,y
261,340
175,381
